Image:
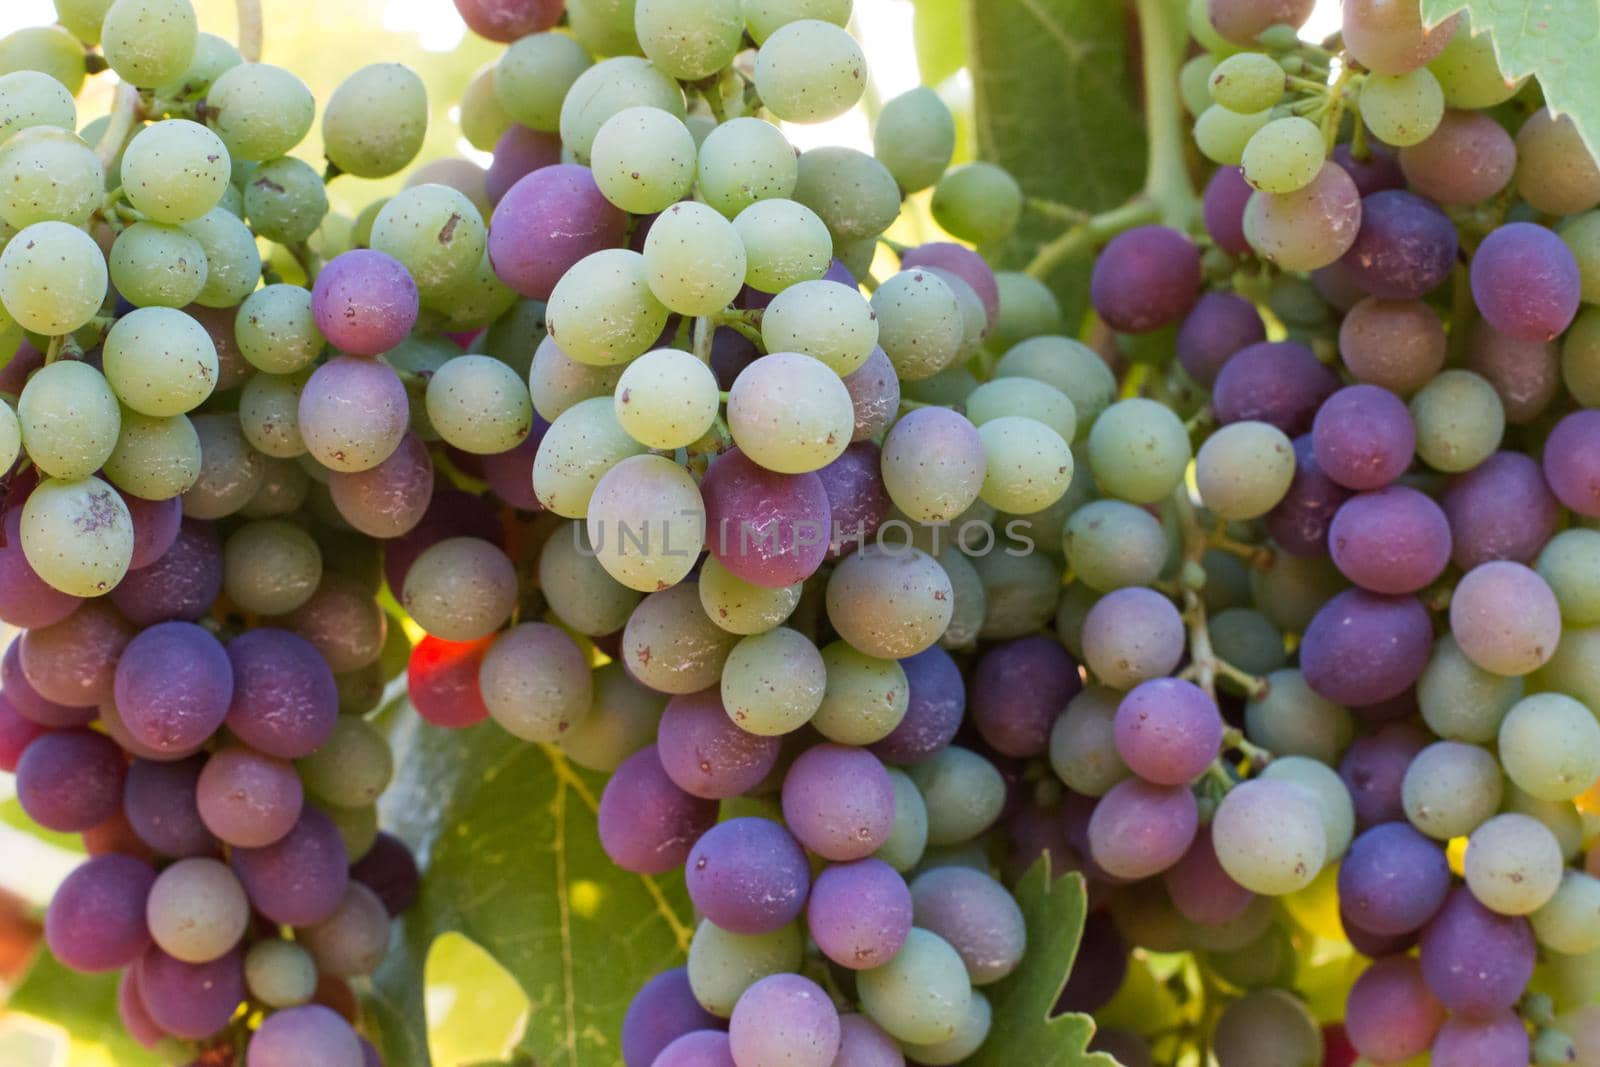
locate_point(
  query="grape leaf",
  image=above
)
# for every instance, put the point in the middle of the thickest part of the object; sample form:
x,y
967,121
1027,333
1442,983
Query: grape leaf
x,y
1055,107
939,30
504,832
85,1007
1023,1031
1557,41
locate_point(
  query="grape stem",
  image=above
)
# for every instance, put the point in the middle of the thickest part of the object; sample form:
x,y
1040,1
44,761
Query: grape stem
x,y
745,323
1095,230
250,30
1205,667
1234,738
124,113
704,327
1163,35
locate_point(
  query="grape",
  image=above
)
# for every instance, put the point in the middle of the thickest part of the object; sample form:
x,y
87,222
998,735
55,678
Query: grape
x,y
1467,159
1555,173
259,111
1308,228
1219,325
1393,540
648,824
1245,469
70,780
247,799
1568,564
1138,450
461,589
1201,890
77,535
919,323
1083,749
977,202
922,994
284,703
853,194
823,319
535,682
301,878
1568,464
1027,464
1363,437
773,682
1390,38
1459,421
745,160
1139,829
1525,282
269,415
352,767
285,200
533,75
914,137
1566,922
1388,657
643,159
1580,367
1246,83
352,941
149,42
197,910
740,607
784,243
1146,278
1402,109
671,645
1550,746
694,260
1505,618
1132,635
353,413
271,567
477,404
1167,731
1241,22
1502,1038
1469,75
1450,789
49,174
1110,544
1222,135
1393,879
689,40
1405,248
975,915
663,1010
311,1033
580,592
374,123
859,914
933,464
52,278
192,1001
154,264
1461,700
175,171
1513,864
505,22
656,519
233,264
1283,156
1397,345
365,302
749,876
809,70
280,974
1390,1015
342,621
69,419
908,834
95,921
390,499
33,98
436,234
160,361
159,804
889,602
1021,686
608,87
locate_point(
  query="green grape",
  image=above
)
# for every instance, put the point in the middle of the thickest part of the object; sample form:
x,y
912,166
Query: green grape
x,y
1110,544
1570,564
1292,719
853,194
865,697
920,326
1582,237
49,174
260,111
949,388
233,263
1468,74
978,202
474,300
213,57
286,200
823,319
10,436
483,119
175,170
557,382
1247,82
1027,309
790,413
155,265
1244,469
1450,789
536,682
694,259
723,965
689,39
766,17
1292,590
29,98
666,399
269,414
156,459
284,488
773,682
579,591
1071,610
160,361
1327,789
352,768
810,71
915,138
275,329
1020,590
1071,367
358,827
374,122
610,86
533,75
52,278
784,243
1513,864
479,405
270,567
1269,1028
1580,358
971,1032
745,160
857,256
436,234
48,50
1269,836
1284,155
605,27
1028,465
1560,817
461,589
1549,744
280,974
70,419
515,335
1569,922
1460,700
1194,82
417,359
739,607
621,720
580,446
643,159
922,996
1222,135
1402,109
1138,450
602,311
908,834
230,470
82,18
963,792
77,535
1022,396
1083,749
149,42
1459,420
1268,961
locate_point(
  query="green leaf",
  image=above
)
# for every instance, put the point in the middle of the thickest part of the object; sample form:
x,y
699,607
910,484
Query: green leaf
x,y
1023,1031
1557,41
84,1006
504,832
940,32
1055,107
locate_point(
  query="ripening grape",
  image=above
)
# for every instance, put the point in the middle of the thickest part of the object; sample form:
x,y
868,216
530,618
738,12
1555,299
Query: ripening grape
x,y
666,399
608,87
915,138
160,362
1402,109
233,263
695,261
149,42
1138,450
49,174
69,419
533,75
33,98
784,243
1308,228
1550,746
603,311
1555,172
790,413
52,278
374,122
647,522
1284,155
1244,469
643,159
810,71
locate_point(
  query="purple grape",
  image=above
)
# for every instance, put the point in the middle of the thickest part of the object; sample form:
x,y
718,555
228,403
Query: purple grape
x,y
1526,375
976,914
784,1018
182,584
548,221
1132,634
1393,540
863,1044
701,1048
748,875
1223,208
1525,282
26,701
1098,970
190,1000
310,1034
247,799
1505,617
510,474
1500,1040
936,703
74,662
1168,731
16,734
1572,462
173,686
961,261
1300,522
390,871
285,701
1201,890
1389,1014
1336,284
1371,945
1220,325
1393,879
364,301
1476,962
300,879
1145,278
839,802
26,601
1379,171
71,780
155,527
159,802
1397,344
767,528
1280,382
95,921
506,20
705,754
1373,769
858,503
1139,829
662,1011
874,390
1363,437
647,824
519,152
132,1013
731,353
353,413
1362,648
859,914
1405,248
1500,509
389,500
1019,689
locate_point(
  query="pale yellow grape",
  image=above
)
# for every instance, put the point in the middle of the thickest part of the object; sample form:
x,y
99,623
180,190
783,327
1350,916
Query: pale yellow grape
x,y
580,446
149,42
694,259
10,436
1247,82
1549,744
739,607
557,382
1222,135
784,243
160,361
745,160
810,71
608,87
31,98
269,414
1284,155
643,160
666,399
1027,464
1513,864
920,324
1023,396
49,174
890,602
826,320
69,418
461,589
1244,469
156,459
647,522
773,683
765,17
790,413
865,698
602,311
77,535
1569,922
53,278
1402,109
175,171
479,405
374,123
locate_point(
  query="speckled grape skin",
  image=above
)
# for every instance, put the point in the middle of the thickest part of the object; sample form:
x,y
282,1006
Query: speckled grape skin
x,y
976,915
70,780
785,1016
247,799
230,473
748,875
95,921
1278,382
284,701
1572,462
299,879
1146,278
1270,221
890,602
1394,540
1476,962
519,152
705,754
839,801
366,148
364,302
920,326
790,413
547,222
646,823
190,1000
671,645
180,585
933,464
1390,1014
173,685
353,413
73,662
308,1033
1167,730
26,601
1505,618
1139,829
767,528
859,913
390,499
935,706
874,390
1018,690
